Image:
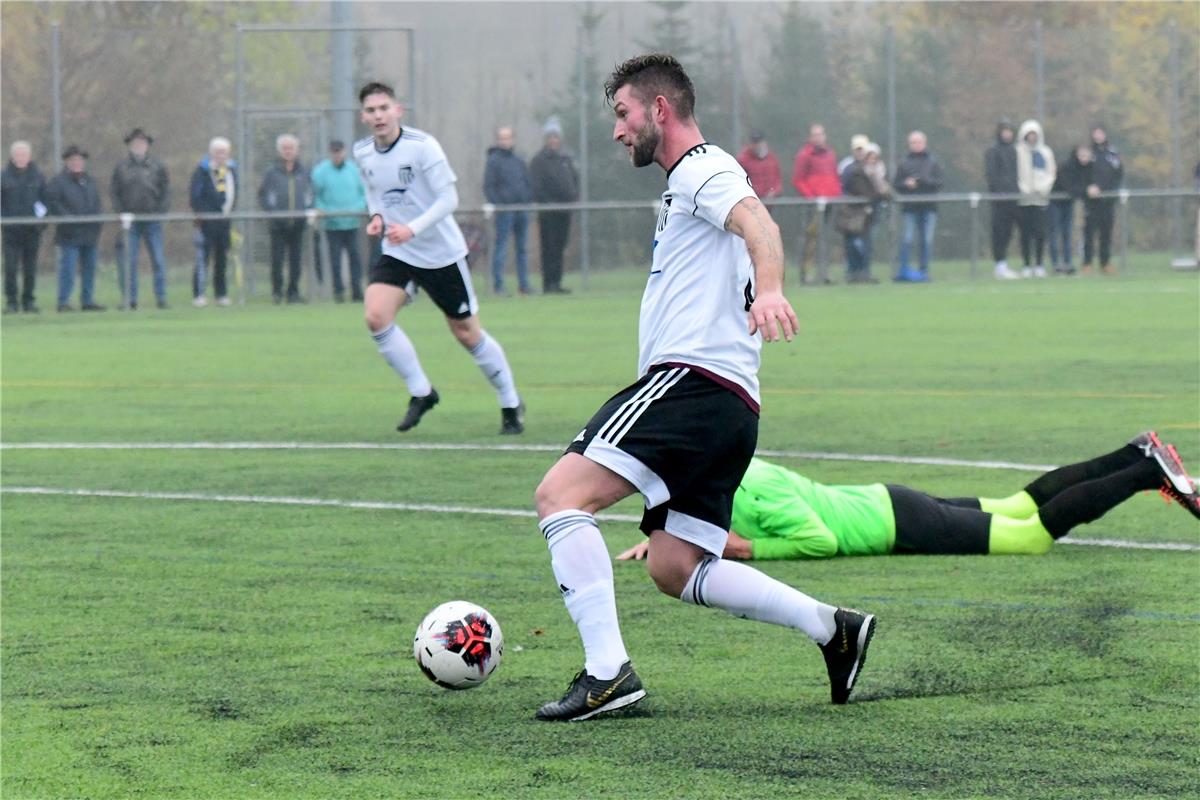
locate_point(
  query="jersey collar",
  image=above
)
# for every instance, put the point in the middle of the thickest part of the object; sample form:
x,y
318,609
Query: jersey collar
x,y
697,149
399,136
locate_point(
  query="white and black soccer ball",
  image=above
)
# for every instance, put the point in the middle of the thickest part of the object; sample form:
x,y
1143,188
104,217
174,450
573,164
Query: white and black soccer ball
x,y
458,645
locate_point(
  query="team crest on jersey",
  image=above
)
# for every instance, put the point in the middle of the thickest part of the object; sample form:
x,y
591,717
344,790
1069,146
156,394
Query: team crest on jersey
x,y
405,176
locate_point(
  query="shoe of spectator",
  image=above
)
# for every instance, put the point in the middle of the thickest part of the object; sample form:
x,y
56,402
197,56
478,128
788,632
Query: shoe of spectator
x,y
1003,273
162,303
357,297
224,301
11,308
93,307
339,297
199,302
1108,269
296,299
65,307
1039,272
1027,272
132,306
31,308
1086,269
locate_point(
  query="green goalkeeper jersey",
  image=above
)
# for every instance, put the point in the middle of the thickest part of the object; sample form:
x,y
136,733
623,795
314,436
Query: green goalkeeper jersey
x,y
786,515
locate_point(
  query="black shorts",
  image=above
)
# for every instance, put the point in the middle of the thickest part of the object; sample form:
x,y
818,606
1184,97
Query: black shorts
x,y
933,526
684,441
449,287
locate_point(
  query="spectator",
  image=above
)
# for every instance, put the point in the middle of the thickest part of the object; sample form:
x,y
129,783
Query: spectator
x,y
506,182
140,186
1071,181
866,179
286,187
338,186
21,190
1036,172
919,173
1000,169
762,167
1106,173
73,192
858,151
814,174
213,190
554,181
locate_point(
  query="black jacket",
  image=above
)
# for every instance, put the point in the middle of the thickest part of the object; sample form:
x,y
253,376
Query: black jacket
x,y
68,193
506,178
1072,177
285,191
19,190
1106,167
928,172
140,187
1000,164
554,177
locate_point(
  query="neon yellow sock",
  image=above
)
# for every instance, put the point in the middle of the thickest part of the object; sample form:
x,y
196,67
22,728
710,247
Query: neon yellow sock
x,y
1008,536
1018,506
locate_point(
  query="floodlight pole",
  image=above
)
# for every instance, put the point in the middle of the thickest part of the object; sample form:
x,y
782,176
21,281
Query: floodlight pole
x,y
585,243
1040,78
889,44
1176,157
56,90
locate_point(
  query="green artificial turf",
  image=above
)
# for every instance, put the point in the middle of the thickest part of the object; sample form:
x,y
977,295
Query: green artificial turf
x,y
200,649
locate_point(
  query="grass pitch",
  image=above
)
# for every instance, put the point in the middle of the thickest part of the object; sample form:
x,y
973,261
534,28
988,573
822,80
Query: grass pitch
x,y
200,649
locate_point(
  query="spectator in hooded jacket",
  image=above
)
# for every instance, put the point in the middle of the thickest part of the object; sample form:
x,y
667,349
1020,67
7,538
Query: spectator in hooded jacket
x,y
286,186
213,190
1071,181
919,173
815,174
762,167
338,186
1106,174
554,181
506,182
140,185
21,190
863,178
1036,172
1000,168
73,192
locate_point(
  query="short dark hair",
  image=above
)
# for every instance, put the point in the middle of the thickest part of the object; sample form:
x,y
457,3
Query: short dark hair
x,y
652,75
375,87
336,146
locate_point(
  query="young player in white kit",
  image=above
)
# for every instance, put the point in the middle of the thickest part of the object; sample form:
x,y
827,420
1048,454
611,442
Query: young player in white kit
x,y
683,434
411,199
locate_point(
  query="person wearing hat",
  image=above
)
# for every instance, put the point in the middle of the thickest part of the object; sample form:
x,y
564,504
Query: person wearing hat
x,y
554,181
762,167
858,151
73,192
1000,170
338,187
140,185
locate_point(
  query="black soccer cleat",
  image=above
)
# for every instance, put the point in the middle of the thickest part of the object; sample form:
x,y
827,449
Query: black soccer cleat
x,y
587,696
417,407
846,652
512,420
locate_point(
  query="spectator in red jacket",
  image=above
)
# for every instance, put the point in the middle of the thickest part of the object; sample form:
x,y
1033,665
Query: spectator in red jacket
x,y
815,175
762,167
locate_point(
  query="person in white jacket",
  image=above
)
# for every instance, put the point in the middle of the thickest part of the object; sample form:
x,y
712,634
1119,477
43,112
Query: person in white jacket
x,y
1035,179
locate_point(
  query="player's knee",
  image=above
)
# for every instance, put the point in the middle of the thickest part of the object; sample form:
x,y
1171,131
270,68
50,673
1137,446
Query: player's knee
x,y
376,320
547,499
669,576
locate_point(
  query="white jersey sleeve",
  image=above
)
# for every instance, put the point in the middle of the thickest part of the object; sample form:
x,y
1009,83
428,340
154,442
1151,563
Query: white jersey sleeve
x,y
712,195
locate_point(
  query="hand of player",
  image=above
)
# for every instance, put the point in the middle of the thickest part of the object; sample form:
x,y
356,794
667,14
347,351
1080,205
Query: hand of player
x,y
635,553
770,313
398,233
375,225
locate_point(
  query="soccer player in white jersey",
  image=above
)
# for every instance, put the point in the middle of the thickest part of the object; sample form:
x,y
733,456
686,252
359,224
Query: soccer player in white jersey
x,y
684,433
411,199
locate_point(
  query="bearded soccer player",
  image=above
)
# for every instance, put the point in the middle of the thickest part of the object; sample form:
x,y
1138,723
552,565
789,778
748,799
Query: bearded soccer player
x,y
780,514
411,198
683,434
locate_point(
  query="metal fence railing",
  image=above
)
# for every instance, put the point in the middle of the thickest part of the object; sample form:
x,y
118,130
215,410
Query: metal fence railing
x,y
612,234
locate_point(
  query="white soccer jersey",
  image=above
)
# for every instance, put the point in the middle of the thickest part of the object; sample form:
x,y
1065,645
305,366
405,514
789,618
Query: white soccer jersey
x,y
694,309
402,182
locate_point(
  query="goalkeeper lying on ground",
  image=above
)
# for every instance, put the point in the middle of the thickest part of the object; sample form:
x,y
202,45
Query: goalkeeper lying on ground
x,y
779,514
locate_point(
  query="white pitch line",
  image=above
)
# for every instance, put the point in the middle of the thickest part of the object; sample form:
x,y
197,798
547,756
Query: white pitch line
x,y
376,505
806,455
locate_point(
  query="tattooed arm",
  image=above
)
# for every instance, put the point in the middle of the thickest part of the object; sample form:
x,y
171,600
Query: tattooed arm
x,y
770,312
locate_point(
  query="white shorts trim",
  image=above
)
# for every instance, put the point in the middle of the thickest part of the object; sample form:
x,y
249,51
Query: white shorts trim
x,y
697,531
652,487
465,271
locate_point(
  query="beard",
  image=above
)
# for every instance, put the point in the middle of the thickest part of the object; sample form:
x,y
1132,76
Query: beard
x,y
644,145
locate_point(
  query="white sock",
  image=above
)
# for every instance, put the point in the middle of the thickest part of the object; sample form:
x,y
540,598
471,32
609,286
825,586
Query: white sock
x,y
585,578
489,355
398,351
745,592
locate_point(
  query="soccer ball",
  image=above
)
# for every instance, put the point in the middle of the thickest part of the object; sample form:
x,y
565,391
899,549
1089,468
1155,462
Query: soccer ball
x,y
458,645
